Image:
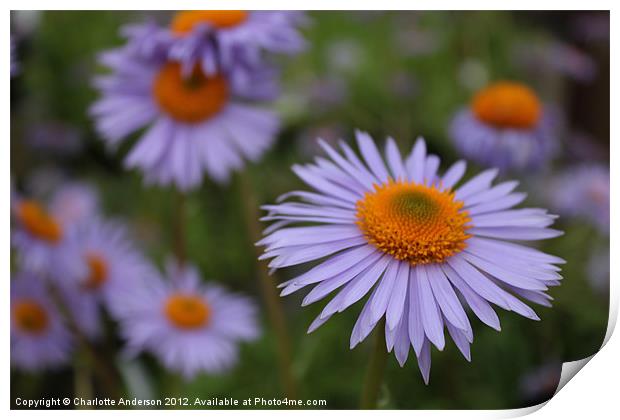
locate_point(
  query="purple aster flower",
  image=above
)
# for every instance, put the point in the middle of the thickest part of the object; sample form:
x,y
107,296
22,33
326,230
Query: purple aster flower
x,y
190,327
220,40
40,238
415,241
506,127
115,267
556,57
193,124
39,338
583,191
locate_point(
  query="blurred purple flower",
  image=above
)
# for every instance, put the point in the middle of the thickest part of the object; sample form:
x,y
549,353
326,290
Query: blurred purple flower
x,y
506,127
556,57
194,124
190,327
41,240
220,40
55,137
592,26
39,338
419,241
582,191
114,264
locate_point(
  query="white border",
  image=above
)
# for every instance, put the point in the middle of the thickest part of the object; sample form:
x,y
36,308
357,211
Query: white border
x,y
593,393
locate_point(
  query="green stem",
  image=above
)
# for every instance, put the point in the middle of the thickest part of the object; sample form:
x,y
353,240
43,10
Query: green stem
x,y
180,216
374,374
83,387
102,368
269,291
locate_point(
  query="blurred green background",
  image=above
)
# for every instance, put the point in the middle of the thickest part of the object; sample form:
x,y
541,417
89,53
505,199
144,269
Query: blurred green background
x,y
402,74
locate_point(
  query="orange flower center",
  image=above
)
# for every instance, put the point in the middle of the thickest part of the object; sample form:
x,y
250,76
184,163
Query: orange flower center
x,y
187,311
183,22
97,271
507,105
38,222
30,316
189,99
413,222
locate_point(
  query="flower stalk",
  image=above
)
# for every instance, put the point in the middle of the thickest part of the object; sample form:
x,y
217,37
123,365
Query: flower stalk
x,y
268,288
376,368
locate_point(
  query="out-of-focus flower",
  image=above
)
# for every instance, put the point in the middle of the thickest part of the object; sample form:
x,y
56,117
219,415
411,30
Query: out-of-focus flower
x,y
194,123
582,191
40,238
220,40
506,126
56,137
75,203
556,57
39,338
582,146
25,22
114,264
592,26
414,241
189,327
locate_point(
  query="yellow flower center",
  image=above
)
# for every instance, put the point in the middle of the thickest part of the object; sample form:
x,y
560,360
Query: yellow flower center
x,y
187,311
189,99
183,22
30,316
413,222
97,271
38,222
507,105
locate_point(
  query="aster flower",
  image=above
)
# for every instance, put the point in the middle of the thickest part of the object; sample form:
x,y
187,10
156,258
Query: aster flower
x,y
114,268
193,124
413,240
39,338
506,126
40,238
583,192
556,57
188,326
220,40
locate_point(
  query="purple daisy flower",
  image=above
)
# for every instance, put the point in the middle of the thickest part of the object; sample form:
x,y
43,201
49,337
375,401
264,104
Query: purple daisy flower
x,y
584,192
194,123
220,40
415,241
506,127
114,265
39,338
40,238
188,326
